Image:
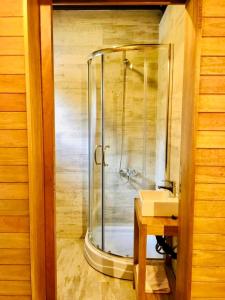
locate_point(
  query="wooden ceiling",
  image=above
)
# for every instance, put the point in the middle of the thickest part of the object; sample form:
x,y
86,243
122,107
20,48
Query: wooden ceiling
x,y
116,2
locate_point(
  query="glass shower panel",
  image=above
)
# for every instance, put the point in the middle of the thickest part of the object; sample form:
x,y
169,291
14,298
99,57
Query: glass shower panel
x,y
123,139
114,205
95,151
130,139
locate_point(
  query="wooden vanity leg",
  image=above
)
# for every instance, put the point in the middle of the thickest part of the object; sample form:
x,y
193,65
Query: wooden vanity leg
x,y
136,242
142,262
136,239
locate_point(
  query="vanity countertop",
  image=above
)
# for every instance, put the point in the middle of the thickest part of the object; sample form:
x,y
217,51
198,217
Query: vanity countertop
x,y
156,225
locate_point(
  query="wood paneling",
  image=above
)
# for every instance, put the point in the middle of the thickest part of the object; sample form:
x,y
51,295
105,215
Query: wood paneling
x,y
213,8
13,156
14,241
15,298
210,157
15,287
14,272
13,174
210,139
14,224
15,269
212,46
14,257
210,209
211,103
11,207
12,102
208,274
213,65
208,258
12,8
210,174
12,64
12,84
214,242
208,298
13,191
13,138
211,121
211,289
212,85
204,191
12,26
11,46
213,27
209,225
13,120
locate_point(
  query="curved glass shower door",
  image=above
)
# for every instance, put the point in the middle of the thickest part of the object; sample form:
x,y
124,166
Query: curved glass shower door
x,y
95,152
128,127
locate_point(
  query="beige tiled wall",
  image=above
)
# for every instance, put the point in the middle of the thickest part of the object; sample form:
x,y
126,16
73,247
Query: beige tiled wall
x,y
139,132
76,35
172,31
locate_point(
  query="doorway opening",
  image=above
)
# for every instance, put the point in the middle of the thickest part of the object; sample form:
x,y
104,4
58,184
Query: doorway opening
x,y
131,122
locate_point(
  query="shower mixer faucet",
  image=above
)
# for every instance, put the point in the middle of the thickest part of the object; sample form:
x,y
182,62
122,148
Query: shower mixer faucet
x,y
170,186
128,173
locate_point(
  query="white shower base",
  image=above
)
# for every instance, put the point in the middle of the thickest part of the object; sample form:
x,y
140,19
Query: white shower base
x,y
119,241
108,264
116,260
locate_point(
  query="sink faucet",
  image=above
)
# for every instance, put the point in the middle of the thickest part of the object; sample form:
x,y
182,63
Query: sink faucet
x,y
171,186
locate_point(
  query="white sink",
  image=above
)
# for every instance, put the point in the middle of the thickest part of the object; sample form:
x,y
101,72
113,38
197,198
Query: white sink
x,y
158,203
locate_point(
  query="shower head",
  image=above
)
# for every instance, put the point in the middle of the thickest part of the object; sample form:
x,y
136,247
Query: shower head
x,y
127,63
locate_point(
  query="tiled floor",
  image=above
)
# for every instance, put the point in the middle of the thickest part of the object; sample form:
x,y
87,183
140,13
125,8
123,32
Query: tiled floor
x,y
78,281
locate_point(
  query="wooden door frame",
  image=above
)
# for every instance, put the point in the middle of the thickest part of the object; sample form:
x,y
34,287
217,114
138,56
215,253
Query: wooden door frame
x,y
187,174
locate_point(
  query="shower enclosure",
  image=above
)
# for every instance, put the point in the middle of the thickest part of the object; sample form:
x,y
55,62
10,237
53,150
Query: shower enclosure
x,y
128,91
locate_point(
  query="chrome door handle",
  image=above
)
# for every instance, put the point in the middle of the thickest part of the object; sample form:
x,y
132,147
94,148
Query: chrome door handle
x,y
105,148
95,155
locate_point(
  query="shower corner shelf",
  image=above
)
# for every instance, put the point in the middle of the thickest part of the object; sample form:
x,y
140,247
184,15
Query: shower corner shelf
x,y
144,226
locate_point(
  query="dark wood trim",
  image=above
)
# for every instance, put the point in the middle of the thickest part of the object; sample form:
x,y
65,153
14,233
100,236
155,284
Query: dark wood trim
x,y
117,2
186,204
110,7
49,145
35,148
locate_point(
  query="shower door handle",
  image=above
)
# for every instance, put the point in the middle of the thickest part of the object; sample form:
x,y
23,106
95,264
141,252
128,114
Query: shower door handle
x,y
105,148
95,155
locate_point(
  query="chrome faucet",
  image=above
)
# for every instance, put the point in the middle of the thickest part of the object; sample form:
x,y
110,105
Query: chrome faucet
x,y
170,186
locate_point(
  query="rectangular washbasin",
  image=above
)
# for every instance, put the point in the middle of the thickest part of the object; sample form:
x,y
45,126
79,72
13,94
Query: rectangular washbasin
x,y
158,203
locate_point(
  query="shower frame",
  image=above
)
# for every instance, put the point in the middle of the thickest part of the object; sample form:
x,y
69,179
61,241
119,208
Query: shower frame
x,y
101,53
40,64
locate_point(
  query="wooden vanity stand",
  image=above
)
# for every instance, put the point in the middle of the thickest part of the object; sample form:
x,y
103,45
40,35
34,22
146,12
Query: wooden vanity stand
x,y
144,226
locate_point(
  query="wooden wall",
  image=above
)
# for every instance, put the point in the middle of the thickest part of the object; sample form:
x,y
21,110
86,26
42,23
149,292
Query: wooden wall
x,y
22,259
208,272
14,212
208,263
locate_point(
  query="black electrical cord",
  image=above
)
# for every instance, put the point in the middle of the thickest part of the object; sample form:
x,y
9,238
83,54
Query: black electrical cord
x,y
162,247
